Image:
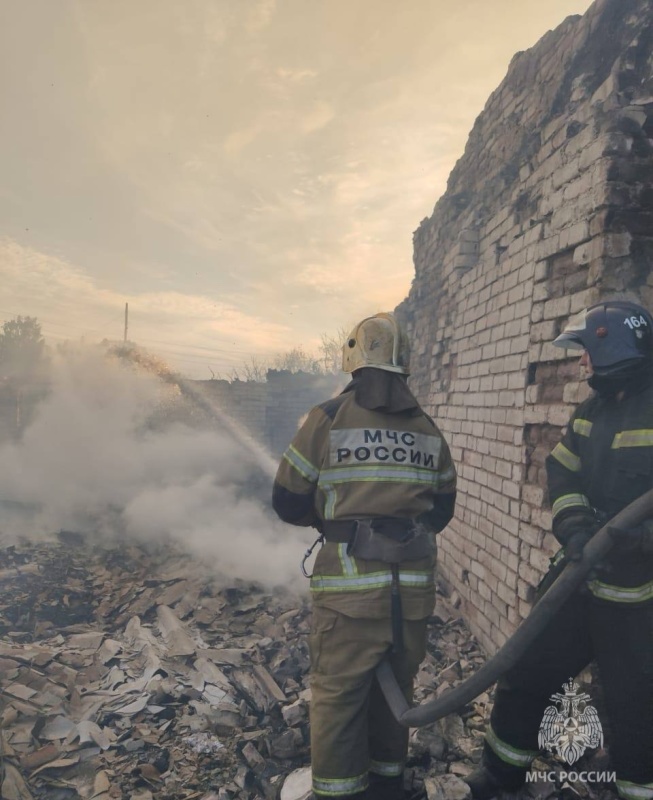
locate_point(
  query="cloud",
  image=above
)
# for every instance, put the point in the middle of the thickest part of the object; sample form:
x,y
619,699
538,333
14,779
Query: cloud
x,y
318,117
259,15
238,140
296,75
320,279
70,304
264,157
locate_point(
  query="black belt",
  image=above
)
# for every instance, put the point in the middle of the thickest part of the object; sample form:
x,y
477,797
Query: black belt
x,y
341,530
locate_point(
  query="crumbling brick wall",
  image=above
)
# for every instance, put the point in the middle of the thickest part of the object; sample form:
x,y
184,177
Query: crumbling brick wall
x,y
549,209
289,397
243,401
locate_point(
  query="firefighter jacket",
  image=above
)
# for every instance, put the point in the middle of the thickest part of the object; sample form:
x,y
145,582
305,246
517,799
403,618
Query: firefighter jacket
x,y
603,463
348,462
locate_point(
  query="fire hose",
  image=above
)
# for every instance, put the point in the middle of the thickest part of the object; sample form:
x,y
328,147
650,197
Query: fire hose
x,y
569,579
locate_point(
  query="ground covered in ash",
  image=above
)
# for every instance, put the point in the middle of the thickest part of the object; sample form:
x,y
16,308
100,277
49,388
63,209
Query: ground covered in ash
x,y
135,673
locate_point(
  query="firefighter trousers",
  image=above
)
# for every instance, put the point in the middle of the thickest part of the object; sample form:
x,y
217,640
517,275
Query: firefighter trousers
x,y
353,731
619,638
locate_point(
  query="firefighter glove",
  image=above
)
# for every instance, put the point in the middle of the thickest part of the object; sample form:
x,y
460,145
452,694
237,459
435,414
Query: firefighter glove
x,y
576,543
574,530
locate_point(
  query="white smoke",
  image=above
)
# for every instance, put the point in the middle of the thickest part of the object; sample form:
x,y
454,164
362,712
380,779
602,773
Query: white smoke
x,y
91,462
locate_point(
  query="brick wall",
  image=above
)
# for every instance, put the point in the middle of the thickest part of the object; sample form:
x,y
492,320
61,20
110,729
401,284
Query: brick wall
x,y
289,397
549,209
271,411
243,401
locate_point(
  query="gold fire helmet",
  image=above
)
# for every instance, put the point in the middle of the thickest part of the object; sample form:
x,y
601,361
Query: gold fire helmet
x,y
379,342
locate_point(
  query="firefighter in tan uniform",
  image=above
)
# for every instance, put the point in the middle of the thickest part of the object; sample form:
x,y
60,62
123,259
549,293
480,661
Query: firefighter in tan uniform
x,y
372,472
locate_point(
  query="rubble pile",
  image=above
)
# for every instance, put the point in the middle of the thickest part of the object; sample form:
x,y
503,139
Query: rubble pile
x,y
132,673
137,673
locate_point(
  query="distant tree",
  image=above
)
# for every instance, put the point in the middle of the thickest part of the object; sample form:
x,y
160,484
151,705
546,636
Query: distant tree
x,y
253,370
22,347
23,359
327,361
331,350
298,360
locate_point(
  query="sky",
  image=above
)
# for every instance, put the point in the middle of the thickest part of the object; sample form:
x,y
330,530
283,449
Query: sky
x,y
245,174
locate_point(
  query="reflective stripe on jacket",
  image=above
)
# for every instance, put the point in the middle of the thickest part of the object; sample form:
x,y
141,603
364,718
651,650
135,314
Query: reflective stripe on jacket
x,y
605,461
348,462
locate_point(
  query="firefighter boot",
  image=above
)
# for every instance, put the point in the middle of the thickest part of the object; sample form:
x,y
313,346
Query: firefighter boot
x,y
383,787
485,785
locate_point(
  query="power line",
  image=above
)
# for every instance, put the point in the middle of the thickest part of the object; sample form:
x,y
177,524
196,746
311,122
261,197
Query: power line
x,y
196,359
200,347
188,351
58,324
201,355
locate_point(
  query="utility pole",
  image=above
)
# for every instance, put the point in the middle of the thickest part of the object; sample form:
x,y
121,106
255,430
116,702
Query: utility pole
x,y
126,321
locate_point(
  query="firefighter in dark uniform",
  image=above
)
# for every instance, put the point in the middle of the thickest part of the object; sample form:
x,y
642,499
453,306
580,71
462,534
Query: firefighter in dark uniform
x,y
603,463
372,472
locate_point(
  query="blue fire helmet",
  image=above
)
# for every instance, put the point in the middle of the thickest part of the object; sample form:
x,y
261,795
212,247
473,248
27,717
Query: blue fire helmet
x,y
615,333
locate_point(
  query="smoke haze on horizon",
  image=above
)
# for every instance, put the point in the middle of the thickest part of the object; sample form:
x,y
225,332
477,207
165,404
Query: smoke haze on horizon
x,y
91,462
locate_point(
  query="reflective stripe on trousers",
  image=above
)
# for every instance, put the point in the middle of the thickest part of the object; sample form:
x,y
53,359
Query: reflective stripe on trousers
x,y
634,791
388,769
510,755
334,787
353,731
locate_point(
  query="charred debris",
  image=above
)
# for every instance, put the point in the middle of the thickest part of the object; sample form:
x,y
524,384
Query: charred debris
x,y
133,672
